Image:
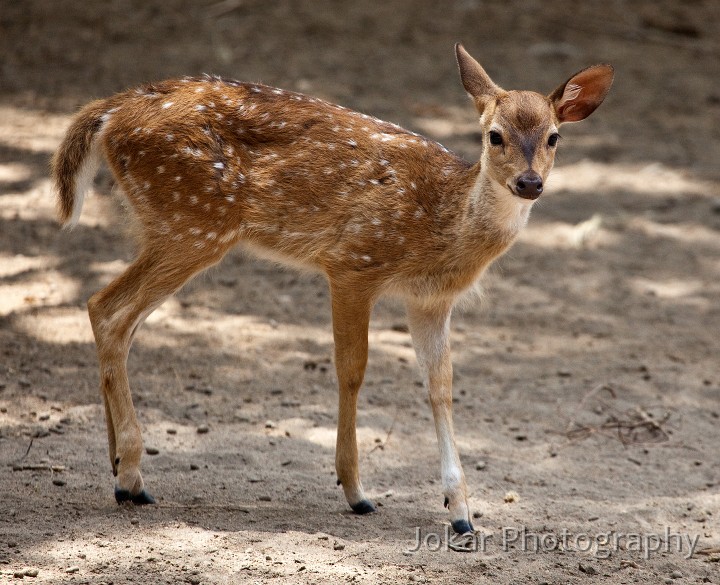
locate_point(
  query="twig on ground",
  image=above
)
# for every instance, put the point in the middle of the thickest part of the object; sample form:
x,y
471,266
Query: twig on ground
x,y
630,427
382,444
28,450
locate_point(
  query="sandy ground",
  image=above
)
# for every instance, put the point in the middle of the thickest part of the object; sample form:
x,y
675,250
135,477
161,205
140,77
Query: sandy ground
x,y
587,391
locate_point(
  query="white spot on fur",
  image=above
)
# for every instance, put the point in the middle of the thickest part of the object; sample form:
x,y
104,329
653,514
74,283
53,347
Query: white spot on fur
x,y
196,152
166,105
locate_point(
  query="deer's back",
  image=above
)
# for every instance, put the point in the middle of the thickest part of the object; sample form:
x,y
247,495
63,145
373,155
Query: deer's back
x,y
303,179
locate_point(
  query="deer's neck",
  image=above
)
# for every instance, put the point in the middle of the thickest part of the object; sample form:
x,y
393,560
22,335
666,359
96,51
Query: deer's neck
x,y
491,220
494,208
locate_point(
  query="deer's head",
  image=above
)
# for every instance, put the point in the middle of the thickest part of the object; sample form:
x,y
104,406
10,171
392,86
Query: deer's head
x,y
520,128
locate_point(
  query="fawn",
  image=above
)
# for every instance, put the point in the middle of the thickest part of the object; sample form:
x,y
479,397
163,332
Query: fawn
x,y
207,164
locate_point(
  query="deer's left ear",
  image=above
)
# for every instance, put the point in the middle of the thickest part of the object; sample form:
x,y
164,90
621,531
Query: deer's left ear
x,y
580,95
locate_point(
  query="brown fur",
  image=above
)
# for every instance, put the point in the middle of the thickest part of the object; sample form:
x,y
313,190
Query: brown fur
x,y
207,164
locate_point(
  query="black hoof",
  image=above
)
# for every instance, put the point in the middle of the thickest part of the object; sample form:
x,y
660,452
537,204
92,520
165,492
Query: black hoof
x,y
364,507
140,499
462,526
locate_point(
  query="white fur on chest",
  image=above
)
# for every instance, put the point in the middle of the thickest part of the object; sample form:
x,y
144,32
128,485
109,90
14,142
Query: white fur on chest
x,y
507,212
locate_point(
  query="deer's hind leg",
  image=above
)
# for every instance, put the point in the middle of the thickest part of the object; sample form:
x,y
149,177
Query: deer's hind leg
x,y
116,312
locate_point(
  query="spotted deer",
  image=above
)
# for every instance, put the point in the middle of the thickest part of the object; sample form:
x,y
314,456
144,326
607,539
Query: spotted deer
x,y
207,164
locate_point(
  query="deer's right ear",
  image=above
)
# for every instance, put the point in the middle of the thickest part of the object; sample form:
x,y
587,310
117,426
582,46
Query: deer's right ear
x,y
474,78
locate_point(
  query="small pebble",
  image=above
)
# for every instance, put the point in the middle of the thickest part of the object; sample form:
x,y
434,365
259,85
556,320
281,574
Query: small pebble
x,y
511,497
338,546
194,467
202,429
151,450
73,569
269,424
480,465
59,482
171,431
265,499
477,514
134,521
587,569
676,575
31,572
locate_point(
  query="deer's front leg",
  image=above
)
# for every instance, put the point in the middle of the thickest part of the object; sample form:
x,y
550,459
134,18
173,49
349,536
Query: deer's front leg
x,y
351,318
430,327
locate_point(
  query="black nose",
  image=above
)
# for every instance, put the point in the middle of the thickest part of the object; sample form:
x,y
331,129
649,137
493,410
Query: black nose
x,y
529,185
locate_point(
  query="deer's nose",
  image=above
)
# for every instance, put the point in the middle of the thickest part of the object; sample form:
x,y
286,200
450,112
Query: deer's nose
x,y
529,185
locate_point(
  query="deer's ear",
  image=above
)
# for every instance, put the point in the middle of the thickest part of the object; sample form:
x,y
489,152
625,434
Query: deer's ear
x,y
580,95
474,79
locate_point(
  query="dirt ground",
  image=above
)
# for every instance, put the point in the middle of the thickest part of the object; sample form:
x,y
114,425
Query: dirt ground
x,y
587,390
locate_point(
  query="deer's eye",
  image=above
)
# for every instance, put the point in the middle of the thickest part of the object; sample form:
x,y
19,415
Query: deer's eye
x,y
552,141
495,138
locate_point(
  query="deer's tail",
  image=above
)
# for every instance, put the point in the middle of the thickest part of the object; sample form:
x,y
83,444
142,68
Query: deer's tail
x,y
77,160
